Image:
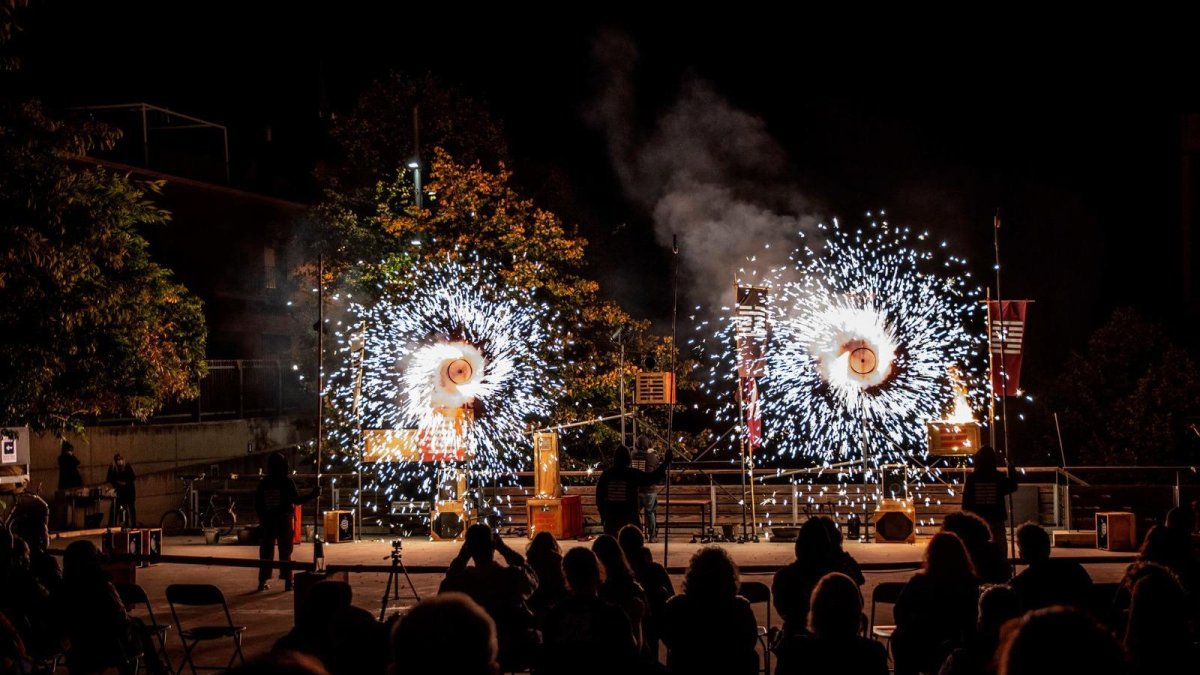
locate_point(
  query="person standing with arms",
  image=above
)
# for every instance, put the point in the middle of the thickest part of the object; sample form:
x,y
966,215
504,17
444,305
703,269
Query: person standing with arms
x,y
121,478
646,459
984,490
617,490
68,468
274,502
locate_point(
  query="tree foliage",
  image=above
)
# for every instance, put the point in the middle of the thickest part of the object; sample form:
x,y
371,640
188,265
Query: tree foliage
x,y
1129,398
91,324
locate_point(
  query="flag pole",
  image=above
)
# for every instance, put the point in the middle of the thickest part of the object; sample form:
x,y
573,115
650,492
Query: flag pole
x,y
671,405
737,337
1012,544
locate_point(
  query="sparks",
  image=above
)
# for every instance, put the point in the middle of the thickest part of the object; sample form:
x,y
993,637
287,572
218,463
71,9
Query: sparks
x,y
865,329
456,359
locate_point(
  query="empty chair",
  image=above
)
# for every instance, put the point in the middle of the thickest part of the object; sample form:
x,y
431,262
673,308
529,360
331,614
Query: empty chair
x,y
204,595
756,592
133,595
885,593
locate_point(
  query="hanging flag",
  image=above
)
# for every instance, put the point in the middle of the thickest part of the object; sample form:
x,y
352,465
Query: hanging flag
x,y
1007,339
753,416
752,332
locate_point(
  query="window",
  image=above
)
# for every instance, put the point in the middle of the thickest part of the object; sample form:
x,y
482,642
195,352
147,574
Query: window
x,y
269,272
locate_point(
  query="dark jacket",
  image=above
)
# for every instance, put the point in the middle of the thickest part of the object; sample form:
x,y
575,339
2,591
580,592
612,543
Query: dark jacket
x,y
122,480
275,501
983,494
617,494
68,472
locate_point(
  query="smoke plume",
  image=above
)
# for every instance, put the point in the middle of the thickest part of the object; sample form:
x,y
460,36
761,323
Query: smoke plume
x,y
708,172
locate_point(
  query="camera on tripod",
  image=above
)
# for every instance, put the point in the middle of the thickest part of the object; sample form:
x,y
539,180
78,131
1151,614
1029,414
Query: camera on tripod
x,y
397,550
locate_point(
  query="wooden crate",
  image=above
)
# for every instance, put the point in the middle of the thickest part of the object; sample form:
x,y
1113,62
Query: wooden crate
x,y
1116,531
561,516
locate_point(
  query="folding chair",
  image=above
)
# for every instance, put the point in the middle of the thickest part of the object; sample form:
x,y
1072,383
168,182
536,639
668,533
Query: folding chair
x,y
204,595
885,593
133,595
756,592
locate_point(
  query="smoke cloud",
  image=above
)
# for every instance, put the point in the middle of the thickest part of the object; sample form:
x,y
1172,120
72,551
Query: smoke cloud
x,y
708,172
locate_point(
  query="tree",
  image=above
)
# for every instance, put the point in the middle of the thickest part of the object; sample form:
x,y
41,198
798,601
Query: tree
x,y
472,209
1128,398
375,139
91,324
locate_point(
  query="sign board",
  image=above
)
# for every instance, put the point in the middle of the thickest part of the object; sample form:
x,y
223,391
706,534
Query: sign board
x,y
952,439
14,445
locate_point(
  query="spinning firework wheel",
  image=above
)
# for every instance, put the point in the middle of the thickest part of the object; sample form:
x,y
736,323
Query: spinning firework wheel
x,y
865,326
449,366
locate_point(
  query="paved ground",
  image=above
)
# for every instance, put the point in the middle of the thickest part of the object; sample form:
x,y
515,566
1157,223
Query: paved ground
x,y
268,615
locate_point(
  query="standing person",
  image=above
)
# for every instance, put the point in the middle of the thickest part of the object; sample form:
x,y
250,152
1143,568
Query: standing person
x,y
645,459
984,491
121,478
274,502
68,468
617,490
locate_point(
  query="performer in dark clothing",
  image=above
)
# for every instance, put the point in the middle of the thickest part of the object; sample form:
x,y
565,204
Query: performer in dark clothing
x,y
984,491
68,468
617,490
645,459
275,502
120,476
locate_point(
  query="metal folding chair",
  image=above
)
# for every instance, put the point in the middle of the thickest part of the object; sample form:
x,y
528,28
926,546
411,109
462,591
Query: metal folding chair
x,y
885,593
757,592
204,595
133,595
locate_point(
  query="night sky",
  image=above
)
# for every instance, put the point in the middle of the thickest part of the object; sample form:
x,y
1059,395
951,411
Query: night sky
x,y
1070,127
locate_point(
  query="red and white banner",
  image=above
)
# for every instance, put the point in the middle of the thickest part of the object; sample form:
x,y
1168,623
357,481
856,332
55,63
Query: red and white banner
x,y
1006,321
753,414
752,333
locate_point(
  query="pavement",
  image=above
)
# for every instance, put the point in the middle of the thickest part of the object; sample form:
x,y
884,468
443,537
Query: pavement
x,y
268,615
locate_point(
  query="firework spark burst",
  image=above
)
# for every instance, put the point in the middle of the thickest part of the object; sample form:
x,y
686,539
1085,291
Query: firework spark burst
x,y
866,327
461,361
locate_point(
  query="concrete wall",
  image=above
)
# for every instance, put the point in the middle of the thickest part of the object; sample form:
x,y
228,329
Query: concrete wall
x,y
155,451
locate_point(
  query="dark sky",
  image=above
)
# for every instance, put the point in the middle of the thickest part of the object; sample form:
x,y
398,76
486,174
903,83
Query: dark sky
x,y
1069,125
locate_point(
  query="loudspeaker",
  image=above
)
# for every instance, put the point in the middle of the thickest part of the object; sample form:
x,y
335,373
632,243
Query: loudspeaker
x,y
151,544
1116,531
339,526
895,522
895,481
448,521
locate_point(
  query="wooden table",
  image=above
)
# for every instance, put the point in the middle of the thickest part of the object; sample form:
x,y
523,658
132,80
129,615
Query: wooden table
x,y
701,504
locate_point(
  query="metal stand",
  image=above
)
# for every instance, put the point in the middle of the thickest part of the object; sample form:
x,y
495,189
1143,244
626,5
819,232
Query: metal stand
x,y
392,588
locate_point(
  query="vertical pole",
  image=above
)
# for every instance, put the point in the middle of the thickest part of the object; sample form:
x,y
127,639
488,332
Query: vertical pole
x,y
671,394
621,377
987,305
417,155
1003,374
320,388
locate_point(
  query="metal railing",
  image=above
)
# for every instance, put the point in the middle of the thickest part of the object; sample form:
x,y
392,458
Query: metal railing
x,y
238,388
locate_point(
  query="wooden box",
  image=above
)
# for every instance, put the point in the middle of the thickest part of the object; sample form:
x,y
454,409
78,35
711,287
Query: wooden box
x,y
117,543
151,544
561,516
1116,531
339,526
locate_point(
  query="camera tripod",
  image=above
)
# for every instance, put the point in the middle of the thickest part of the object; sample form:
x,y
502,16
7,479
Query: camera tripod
x,y
393,581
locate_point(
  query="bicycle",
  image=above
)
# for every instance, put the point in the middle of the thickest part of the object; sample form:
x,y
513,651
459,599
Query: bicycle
x,y
176,521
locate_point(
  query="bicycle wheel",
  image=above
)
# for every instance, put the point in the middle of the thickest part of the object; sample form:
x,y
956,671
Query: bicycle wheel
x,y
223,522
173,523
